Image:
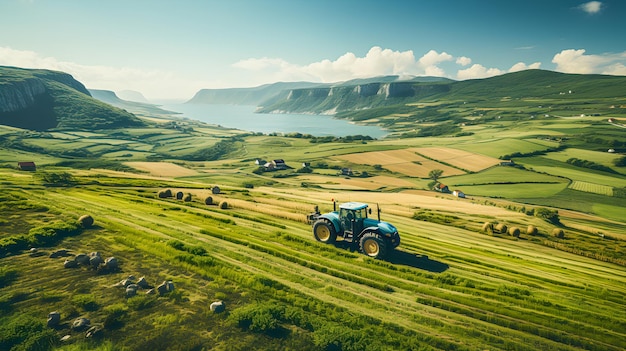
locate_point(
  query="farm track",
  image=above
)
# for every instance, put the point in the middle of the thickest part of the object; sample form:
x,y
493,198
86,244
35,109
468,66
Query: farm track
x,y
419,303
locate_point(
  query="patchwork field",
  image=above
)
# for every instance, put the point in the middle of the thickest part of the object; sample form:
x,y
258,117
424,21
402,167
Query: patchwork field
x,y
162,169
459,158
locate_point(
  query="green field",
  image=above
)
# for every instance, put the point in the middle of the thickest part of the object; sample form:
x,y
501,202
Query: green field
x,y
449,285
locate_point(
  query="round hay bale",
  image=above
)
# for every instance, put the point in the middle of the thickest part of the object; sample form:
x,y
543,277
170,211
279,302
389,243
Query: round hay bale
x,y
216,190
163,194
224,205
208,201
86,221
501,228
558,233
532,230
179,195
514,232
488,227
187,198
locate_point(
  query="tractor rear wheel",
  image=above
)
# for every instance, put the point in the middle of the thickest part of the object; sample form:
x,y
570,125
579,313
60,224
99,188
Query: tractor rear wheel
x,y
373,245
324,231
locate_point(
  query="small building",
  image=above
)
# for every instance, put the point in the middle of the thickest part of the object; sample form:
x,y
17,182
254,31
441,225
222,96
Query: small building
x,y
306,164
611,150
458,193
507,163
27,166
279,164
260,162
442,188
346,171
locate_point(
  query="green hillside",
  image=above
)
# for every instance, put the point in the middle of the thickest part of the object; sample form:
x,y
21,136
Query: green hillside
x,y
44,99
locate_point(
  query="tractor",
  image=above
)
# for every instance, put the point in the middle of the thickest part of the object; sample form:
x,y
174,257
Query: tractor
x,y
351,223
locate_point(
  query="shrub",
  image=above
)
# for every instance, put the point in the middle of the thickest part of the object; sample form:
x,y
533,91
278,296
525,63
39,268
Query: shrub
x,y
86,302
187,198
114,315
514,231
164,193
223,205
558,233
501,228
179,195
549,215
208,200
532,230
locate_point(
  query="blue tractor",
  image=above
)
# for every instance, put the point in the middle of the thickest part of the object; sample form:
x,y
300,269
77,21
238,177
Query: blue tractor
x,y
351,222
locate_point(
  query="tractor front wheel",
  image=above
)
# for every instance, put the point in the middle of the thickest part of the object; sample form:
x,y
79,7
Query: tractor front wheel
x,y
324,231
373,245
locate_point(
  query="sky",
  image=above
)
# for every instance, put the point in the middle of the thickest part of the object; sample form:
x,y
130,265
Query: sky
x,y
170,49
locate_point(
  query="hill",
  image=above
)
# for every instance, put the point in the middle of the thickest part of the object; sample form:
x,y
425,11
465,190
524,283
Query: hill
x,y
42,99
372,93
246,96
131,95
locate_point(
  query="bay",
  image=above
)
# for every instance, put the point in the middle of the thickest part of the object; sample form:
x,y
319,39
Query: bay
x,y
243,118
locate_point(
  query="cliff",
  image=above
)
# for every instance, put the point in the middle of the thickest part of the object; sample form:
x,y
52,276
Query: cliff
x,y
346,97
247,96
43,99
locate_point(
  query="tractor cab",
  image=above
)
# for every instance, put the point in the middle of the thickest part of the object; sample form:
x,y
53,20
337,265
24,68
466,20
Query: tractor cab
x,y
352,215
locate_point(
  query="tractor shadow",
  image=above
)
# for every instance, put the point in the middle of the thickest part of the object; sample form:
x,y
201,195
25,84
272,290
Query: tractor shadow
x,y
416,261
398,257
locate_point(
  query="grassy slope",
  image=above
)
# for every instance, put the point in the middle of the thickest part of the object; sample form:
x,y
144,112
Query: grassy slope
x,y
447,287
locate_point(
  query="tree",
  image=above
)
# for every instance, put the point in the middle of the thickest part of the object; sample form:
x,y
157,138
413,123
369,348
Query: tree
x,y
435,174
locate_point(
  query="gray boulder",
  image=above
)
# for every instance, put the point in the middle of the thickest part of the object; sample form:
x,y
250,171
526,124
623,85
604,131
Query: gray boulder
x,y
70,263
218,307
143,283
54,318
111,263
95,261
131,290
80,324
82,259
94,332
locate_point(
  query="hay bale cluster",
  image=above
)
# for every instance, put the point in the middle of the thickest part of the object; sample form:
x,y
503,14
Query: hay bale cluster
x,y
501,228
93,261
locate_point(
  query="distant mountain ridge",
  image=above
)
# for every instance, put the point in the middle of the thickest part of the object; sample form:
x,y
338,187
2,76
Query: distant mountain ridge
x,y
372,93
246,96
40,99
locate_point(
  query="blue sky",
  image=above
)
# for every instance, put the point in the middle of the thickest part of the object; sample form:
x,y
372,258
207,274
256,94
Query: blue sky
x,y
171,49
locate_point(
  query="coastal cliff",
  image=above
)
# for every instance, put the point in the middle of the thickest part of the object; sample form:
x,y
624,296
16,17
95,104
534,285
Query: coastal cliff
x,y
42,99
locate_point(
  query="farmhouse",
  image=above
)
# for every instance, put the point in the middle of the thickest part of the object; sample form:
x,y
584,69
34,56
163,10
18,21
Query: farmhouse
x,y
442,188
346,171
27,166
260,162
275,165
507,163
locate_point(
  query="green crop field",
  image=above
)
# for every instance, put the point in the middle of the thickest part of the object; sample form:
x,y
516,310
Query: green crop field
x,y
556,282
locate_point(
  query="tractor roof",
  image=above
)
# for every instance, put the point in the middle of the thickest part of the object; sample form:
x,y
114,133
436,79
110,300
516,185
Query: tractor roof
x,y
353,206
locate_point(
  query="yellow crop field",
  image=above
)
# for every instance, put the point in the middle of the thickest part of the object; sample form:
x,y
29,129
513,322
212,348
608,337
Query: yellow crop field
x,y
405,161
459,158
162,169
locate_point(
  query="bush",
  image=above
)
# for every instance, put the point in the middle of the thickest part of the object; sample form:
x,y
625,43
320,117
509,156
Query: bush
x,y
179,195
115,315
223,205
187,198
549,215
558,233
86,302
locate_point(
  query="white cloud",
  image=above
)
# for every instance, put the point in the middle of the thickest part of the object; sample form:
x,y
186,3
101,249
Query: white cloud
x,y
151,83
591,7
521,66
576,61
463,61
478,71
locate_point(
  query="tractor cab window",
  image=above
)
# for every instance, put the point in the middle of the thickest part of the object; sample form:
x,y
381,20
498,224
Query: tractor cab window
x,y
360,214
